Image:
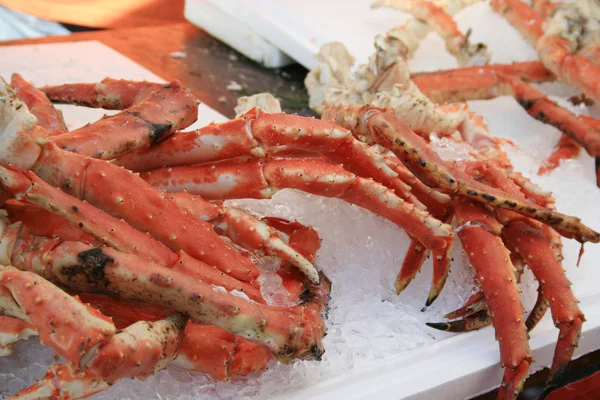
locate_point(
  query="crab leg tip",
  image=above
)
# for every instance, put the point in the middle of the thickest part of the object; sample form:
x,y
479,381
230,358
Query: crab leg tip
x,y
430,300
440,326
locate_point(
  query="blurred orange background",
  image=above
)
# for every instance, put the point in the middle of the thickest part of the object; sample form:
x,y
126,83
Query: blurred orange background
x,y
102,13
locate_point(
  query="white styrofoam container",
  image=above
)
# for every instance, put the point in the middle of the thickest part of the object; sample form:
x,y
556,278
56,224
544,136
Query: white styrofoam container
x,y
205,15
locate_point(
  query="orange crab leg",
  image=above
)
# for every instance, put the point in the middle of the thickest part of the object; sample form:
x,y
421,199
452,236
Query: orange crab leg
x,y
134,352
261,179
111,94
112,231
566,149
547,111
554,51
47,116
68,326
206,349
393,134
555,288
114,190
476,83
544,259
209,349
472,322
495,273
535,102
230,139
163,112
411,265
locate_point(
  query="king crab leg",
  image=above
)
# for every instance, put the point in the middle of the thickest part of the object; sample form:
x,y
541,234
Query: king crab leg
x,y
110,94
163,112
86,338
545,262
43,223
477,83
393,134
495,274
206,349
266,131
541,108
576,129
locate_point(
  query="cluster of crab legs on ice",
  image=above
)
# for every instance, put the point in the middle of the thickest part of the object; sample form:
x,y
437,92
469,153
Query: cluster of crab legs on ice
x,y
497,241
84,217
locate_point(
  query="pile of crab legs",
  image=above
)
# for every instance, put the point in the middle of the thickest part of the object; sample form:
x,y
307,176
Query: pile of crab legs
x,y
495,241
565,36
109,187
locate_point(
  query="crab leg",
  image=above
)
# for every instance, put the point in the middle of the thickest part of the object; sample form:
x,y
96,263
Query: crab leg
x,y
474,304
160,114
47,116
495,273
136,351
242,228
68,326
209,349
112,231
544,259
261,179
472,322
538,106
110,94
547,111
565,149
124,195
555,288
457,44
393,134
476,83
286,332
